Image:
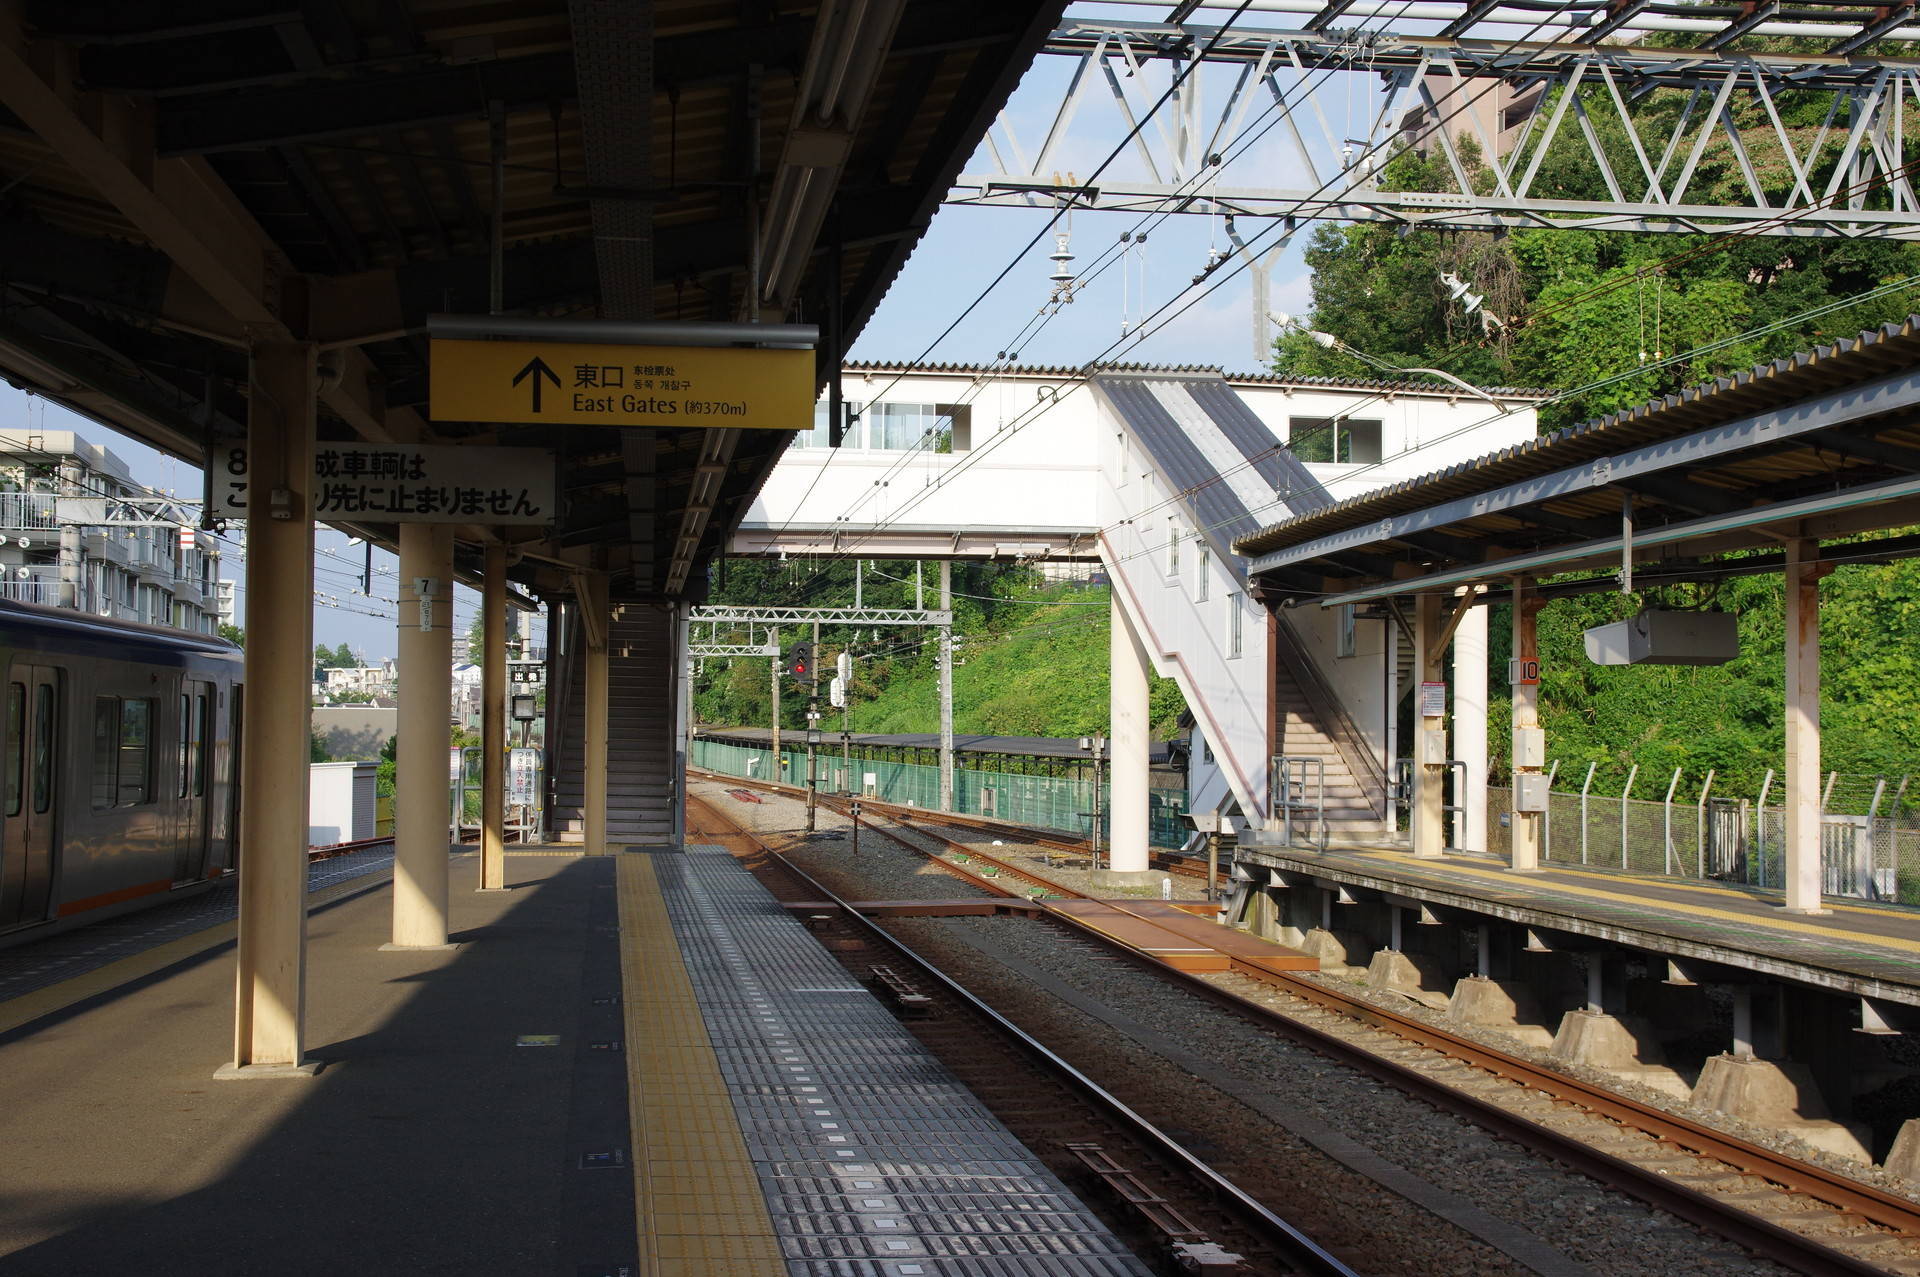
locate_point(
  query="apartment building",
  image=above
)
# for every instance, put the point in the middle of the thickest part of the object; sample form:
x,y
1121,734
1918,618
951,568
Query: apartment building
x,y
79,532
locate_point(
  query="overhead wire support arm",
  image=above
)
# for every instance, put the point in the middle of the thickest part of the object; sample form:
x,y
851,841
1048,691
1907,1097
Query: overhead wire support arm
x,y
1658,187
822,615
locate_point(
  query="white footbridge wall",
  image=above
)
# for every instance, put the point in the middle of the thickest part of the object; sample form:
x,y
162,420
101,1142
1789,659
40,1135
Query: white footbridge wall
x,y
1036,464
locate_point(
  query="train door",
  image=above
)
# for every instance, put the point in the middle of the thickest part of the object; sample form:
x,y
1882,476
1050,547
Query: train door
x,y
28,806
193,782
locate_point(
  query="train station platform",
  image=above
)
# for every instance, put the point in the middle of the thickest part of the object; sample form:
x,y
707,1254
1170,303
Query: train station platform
x,y
637,1063
1863,948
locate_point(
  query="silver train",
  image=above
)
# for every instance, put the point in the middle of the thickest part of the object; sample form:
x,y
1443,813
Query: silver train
x,y
119,746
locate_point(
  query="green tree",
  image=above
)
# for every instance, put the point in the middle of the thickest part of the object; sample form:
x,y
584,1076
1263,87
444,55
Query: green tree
x,y
234,635
317,748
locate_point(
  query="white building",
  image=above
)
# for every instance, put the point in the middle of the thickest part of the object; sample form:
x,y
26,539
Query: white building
x,y
80,533
1153,472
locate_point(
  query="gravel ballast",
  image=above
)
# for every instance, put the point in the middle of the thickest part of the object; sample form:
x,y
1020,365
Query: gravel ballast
x,y
1388,1181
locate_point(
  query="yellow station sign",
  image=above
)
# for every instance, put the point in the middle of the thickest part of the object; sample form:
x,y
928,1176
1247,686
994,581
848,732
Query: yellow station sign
x,y
585,384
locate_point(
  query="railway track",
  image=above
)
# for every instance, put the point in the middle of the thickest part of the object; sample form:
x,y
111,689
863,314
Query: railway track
x,y
1164,1195
933,821
1504,1093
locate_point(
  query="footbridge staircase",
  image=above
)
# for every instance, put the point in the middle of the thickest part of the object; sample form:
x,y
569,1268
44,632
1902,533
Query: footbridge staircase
x,y
1151,472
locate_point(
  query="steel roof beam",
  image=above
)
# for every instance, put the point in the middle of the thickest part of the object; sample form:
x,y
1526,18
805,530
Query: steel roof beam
x,y
1684,494
1892,16
1470,17
186,211
1879,505
1619,14
1713,444
1866,447
1755,13
1328,15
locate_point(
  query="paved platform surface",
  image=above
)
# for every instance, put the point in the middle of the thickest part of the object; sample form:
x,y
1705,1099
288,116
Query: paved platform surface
x,y
869,1156
631,1064
1864,948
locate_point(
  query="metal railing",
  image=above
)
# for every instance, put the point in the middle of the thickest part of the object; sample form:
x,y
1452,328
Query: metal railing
x,y
522,822
1688,829
29,510
31,589
1453,804
1294,779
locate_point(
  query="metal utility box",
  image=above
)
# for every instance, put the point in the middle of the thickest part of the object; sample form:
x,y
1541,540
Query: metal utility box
x,y
1666,638
1529,792
1433,747
1529,747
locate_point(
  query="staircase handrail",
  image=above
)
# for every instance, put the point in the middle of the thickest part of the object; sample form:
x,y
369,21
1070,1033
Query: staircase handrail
x,y
1291,774
1331,715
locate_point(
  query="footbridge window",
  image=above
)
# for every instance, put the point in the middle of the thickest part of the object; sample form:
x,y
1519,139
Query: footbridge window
x,y
1343,440
897,427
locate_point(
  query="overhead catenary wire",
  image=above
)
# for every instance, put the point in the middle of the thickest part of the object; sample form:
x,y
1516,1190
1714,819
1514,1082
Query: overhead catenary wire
x,y
1725,238
1085,370
1207,171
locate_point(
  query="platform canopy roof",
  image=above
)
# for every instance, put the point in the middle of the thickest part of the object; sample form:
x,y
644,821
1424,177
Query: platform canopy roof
x,y
179,179
1823,444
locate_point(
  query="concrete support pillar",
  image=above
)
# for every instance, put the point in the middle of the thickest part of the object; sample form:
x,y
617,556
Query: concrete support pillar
x,y
1429,746
1470,726
1803,726
493,721
598,617
1528,827
270,988
683,718
1128,774
426,706
946,688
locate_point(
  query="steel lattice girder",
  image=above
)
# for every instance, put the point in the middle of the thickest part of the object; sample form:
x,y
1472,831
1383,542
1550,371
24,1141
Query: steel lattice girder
x,y
1846,178
824,615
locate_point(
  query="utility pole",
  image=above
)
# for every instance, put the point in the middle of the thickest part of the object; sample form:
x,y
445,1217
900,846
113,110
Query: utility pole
x,y
774,671
946,688
813,732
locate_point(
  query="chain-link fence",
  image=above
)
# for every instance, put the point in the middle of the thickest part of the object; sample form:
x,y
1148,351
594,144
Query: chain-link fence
x,y
1063,803
1869,826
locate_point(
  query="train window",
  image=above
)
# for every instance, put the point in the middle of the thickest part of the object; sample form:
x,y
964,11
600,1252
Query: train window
x,y
122,751
16,751
136,744
202,720
106,739
193,744
43,730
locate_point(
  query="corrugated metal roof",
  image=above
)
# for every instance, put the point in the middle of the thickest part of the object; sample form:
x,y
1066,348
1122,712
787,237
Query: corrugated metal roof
x,y
1146,404
1282,380
1872,354
1186,469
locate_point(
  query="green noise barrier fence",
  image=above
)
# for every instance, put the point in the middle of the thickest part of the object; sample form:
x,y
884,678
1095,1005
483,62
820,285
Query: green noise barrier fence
x,y
1047,802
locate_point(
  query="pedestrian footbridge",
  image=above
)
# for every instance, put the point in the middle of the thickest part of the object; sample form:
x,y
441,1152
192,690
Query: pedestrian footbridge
x,y
1152,472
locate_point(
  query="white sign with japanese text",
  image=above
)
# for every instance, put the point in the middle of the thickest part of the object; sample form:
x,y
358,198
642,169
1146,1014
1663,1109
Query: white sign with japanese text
x,y
522,766
405,483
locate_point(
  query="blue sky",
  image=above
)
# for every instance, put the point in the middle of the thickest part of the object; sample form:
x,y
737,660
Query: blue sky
x,y
961,252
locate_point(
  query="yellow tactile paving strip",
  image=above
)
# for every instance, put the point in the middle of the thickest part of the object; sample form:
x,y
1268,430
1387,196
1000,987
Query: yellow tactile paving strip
x,y
697,1199
1745,919
30,1006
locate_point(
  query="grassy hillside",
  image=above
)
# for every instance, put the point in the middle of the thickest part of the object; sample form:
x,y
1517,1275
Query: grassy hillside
x,y
1031,656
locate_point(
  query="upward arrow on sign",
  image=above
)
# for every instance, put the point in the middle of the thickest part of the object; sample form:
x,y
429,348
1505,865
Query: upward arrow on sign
x,y
536,368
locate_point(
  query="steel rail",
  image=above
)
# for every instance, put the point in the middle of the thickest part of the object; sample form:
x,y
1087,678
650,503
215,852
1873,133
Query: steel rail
x,y
1157,859
1847,1196
1287,1240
